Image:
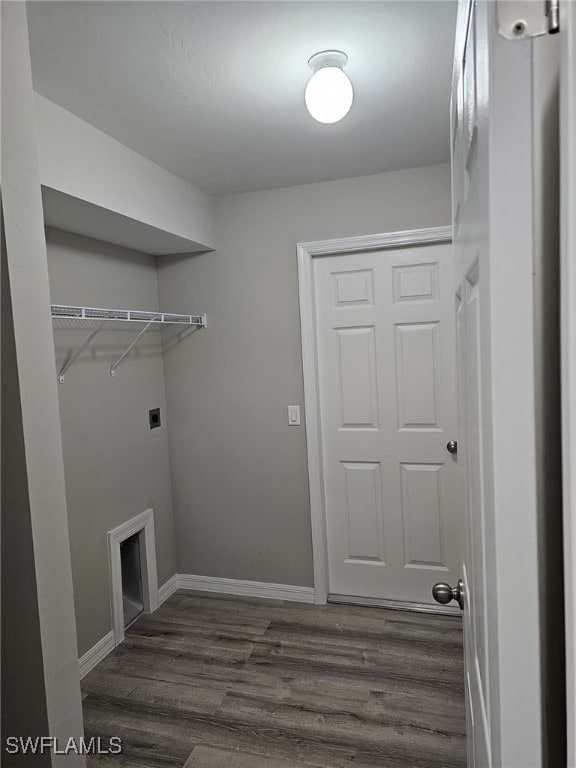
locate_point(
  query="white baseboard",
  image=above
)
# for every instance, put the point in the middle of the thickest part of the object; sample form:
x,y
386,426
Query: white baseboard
x,y
102,648
246,588
94,656
168,588
202,584
396,605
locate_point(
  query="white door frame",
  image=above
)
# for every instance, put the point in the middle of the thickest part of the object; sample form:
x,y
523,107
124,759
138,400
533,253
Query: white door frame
x,y
307,252
143,524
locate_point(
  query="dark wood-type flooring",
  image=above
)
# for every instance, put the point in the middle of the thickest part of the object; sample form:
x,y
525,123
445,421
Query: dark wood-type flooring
x,y
215,682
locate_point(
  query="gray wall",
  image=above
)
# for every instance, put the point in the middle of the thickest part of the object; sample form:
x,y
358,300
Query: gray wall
x,y
115,466
239,473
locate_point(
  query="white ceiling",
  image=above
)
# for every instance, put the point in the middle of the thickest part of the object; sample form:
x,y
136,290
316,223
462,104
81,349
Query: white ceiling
x,y
214,91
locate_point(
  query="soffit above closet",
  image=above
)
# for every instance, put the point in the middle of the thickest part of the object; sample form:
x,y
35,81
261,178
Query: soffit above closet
x,y
83,218
213,91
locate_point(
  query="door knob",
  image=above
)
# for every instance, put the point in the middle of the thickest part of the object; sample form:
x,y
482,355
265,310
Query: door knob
x,y
452,446
444,593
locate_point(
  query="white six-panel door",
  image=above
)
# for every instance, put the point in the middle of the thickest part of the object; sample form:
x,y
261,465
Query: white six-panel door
x,y
386,371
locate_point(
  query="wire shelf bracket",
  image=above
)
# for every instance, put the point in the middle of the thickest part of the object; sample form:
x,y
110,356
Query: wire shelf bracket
x,y
76,354
128,348
109,317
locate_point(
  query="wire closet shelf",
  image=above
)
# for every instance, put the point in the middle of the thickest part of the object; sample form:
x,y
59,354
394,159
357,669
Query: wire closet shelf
x,y
97,319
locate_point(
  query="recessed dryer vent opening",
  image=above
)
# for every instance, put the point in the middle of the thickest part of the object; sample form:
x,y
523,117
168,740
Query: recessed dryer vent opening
x,y
132,594
133,574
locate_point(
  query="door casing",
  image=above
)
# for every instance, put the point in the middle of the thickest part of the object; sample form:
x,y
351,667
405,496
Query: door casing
x,y
306,253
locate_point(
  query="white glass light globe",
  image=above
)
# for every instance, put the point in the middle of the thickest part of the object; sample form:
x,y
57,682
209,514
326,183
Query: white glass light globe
x,y
329,95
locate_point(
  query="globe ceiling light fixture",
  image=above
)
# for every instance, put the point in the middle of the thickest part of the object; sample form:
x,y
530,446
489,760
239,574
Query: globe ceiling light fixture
x,y
329,93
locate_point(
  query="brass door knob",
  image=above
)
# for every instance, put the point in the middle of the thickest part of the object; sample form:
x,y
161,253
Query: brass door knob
x,y
452,446
443,593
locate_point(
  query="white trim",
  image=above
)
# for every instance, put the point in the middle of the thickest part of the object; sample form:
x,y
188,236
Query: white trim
x,y
94,655
246,588
143,523
167,589
306,253
376,242
261,589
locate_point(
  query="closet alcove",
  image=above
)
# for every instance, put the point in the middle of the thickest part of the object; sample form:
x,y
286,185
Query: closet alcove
x,y
111,336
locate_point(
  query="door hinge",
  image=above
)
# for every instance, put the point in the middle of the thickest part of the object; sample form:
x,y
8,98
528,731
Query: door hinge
x,y
519,19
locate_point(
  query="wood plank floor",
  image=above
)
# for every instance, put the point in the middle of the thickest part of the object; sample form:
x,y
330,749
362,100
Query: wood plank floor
x,y
215,682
